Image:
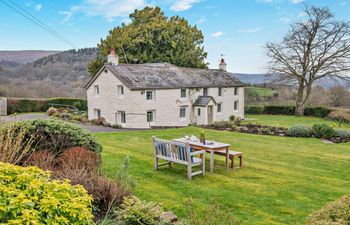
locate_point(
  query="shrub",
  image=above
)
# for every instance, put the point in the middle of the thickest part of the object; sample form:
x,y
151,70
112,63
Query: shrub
x,y
15,144
342,133
44,159
279,110
77,158
323,131
29,196
299,131
340,116
51,111
232,118
223,124
334,213
317,111
66,116
58,136
254,110
77,105
99,121
134,211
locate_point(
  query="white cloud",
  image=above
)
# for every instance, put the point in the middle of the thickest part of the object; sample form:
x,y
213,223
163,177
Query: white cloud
x,y
281,1
217,34
250,30
284,20
109,9
38,7
183,5
296,1
201,20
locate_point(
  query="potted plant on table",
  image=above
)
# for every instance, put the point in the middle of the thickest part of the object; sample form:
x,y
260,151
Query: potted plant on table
x,y
202,136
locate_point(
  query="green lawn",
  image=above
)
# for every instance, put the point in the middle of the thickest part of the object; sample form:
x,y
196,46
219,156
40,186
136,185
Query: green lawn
x,y
288,121
261,92
283,181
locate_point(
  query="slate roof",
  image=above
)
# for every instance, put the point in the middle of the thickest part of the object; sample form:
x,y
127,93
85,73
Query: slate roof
x,y
168,76
203,101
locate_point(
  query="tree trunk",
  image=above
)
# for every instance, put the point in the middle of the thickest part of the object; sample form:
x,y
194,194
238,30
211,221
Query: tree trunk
x,y
299,109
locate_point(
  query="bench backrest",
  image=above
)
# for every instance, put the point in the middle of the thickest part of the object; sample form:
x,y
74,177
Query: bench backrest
x,y
172,150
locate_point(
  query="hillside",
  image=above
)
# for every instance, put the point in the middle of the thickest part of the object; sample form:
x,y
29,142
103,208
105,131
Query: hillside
x,y
23,57
62,74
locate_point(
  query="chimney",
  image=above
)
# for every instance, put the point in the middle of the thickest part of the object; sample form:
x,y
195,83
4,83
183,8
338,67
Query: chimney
x,y
113,58
222,65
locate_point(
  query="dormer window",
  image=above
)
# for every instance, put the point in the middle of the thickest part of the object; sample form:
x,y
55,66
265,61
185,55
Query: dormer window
x,y
96,90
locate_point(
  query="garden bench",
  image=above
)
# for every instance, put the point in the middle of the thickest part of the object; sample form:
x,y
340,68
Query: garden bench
x,y
176,152
232,155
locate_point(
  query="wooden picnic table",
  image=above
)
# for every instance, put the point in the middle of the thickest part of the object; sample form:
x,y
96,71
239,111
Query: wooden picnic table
x,y
211,148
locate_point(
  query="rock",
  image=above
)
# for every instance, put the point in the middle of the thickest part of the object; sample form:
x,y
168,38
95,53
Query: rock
x,y
169,216
326,141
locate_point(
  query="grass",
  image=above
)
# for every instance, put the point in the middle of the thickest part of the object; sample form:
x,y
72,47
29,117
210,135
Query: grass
x,y
288,121
261,92
283,181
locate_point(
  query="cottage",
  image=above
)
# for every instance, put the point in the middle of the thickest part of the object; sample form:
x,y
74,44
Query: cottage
x,y
162,94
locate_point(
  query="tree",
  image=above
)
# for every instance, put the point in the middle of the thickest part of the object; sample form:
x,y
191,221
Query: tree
x,y
317,48
339,96
152,37
95,65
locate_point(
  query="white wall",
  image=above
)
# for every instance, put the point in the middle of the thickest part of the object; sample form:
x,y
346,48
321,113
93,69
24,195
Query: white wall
x,y
166,104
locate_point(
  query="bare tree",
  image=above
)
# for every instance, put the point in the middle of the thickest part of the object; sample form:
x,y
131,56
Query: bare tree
x,y
316,48
339,96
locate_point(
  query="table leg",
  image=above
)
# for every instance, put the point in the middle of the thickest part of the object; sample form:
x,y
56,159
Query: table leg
x,y
227,159
211,162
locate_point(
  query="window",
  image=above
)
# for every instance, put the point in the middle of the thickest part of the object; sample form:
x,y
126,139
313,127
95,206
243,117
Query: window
x,y
149,95
122,117
219,91
183,93
96,89
219,107
150,116
97,113
182,112
236,91
205,91
120,90
235,107
198,111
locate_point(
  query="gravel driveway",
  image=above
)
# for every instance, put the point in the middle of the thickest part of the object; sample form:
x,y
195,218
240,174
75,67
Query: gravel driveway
x,y
32,116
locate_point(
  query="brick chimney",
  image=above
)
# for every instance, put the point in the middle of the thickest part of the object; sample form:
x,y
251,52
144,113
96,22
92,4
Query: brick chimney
x,y
222,65
113,58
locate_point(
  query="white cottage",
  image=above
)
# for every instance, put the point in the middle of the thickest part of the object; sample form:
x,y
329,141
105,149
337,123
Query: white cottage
x,y
163,95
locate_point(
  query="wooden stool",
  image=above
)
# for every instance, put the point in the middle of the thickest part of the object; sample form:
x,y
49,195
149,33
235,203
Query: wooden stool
x,y
232,155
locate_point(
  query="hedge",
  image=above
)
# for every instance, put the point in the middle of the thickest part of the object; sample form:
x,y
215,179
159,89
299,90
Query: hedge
x,y
21,105
287,110
28,195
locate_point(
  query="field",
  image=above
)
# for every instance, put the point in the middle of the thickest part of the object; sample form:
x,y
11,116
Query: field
x,y
283,181
261,92
288,121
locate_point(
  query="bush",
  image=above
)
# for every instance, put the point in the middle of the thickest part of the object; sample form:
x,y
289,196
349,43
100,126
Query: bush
x,y
58,136
334,213
232,118
77,158
29,196
342,133
99,121
51,111
223,124
317,111
279,110
323,131
134,211
254,110
340,116
15,144
299,131
44,159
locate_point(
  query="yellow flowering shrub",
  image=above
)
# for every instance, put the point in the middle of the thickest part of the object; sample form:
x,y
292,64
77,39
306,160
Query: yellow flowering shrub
x,y
29,196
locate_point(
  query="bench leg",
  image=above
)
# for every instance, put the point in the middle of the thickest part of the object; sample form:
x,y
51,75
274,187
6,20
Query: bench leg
x,y
156,163
211,162
241,161
232,162
203,165
189,172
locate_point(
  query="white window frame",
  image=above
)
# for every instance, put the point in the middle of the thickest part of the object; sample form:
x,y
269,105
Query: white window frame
x,y
96,89
236,105
120,90
183,91
152,95
122,117
217,107
182,110
153,114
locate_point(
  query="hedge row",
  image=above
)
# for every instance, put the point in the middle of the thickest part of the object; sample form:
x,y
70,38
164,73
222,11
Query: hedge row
x,y
287,110
20,105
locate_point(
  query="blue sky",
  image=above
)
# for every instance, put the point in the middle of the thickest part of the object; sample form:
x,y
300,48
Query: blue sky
x,y
236,28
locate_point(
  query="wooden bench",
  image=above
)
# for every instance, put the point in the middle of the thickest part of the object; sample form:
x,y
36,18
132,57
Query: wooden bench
x,y
232,155
176,152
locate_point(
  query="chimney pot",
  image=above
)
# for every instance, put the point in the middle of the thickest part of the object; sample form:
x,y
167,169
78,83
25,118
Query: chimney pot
x,y
113,58
222,65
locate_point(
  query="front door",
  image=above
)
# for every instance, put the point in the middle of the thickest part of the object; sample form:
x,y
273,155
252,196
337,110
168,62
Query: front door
x,y
210,114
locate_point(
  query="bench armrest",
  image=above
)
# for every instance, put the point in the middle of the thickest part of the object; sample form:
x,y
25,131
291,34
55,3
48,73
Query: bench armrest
x,y
201,152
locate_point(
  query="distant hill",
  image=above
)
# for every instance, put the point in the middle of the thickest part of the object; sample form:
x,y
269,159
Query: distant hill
x,y
61,74
25,56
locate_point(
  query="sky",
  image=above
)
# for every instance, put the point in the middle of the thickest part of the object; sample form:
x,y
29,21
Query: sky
x,y
238,29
